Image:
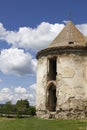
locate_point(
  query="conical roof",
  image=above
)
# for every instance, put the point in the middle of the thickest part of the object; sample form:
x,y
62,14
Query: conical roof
x,y
69,36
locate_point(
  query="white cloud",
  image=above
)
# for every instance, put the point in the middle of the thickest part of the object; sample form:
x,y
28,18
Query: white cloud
x,y
3,32
16,93
16,61
5,90
65,21
35,38
20,90
31,38
5,94
82,28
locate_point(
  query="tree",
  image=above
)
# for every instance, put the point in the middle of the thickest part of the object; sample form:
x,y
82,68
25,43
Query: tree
x,y
22,106
31,111
1,109
8,107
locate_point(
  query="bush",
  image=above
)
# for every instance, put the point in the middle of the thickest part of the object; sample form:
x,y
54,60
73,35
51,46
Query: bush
x,y
31,111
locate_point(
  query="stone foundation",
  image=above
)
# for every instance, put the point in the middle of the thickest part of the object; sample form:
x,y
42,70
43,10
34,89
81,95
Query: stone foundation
x,y
72,114
78,110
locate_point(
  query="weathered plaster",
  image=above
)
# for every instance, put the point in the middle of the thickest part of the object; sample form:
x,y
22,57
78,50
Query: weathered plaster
x,y
71,87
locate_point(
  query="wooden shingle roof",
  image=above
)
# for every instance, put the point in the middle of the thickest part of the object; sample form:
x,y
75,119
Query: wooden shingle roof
x,y
69,36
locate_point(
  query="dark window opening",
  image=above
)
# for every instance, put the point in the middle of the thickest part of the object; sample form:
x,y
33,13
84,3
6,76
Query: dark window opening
x,y
71,42
52,69
51,99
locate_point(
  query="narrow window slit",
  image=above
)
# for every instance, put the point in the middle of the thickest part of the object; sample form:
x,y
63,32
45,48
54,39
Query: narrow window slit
x,y
52,69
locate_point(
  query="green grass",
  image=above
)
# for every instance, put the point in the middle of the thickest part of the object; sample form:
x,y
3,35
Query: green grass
x,y
41,124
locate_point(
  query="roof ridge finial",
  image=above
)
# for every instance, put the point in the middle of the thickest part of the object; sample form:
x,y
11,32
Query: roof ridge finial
x,y
69,16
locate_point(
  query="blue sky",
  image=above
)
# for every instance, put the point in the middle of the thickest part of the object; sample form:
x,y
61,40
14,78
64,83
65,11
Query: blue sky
x,y
27,26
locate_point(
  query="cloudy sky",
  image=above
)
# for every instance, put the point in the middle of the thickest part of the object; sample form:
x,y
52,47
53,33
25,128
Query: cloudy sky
x,y
27,26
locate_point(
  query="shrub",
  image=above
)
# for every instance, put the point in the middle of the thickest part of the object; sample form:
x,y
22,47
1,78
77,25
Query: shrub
x,y
31,111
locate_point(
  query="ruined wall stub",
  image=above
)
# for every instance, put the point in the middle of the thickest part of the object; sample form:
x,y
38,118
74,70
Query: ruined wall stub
x,y
41,84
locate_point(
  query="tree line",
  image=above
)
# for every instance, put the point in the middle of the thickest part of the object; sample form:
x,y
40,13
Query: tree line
x,y
22,108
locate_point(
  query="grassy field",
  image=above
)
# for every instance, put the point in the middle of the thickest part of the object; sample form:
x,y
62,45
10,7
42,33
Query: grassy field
x,y
41,124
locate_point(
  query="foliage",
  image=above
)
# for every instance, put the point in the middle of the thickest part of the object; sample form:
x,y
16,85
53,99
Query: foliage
x,y
20,109
7,108
31,111
22,106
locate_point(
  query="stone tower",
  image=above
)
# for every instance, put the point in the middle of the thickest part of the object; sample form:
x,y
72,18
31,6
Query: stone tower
x,y
62,76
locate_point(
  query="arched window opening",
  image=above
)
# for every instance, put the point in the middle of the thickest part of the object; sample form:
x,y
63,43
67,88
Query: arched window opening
x,y
51,98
